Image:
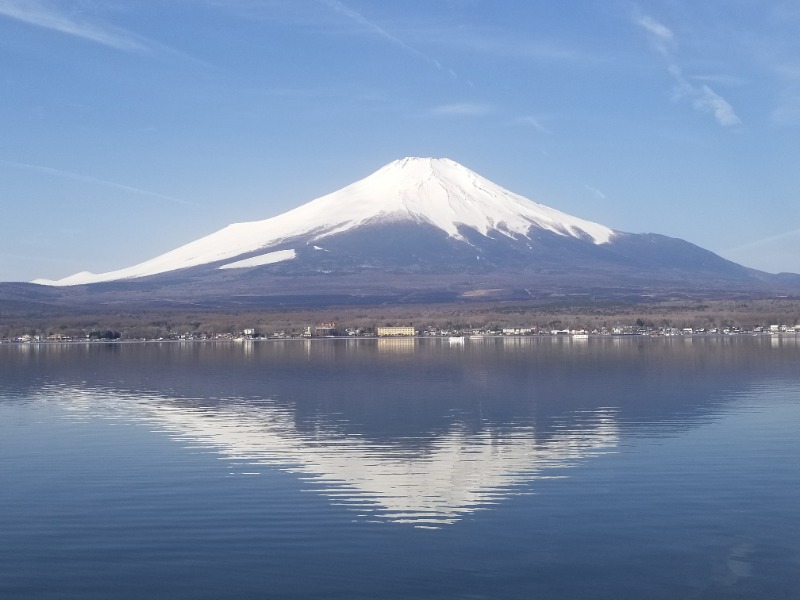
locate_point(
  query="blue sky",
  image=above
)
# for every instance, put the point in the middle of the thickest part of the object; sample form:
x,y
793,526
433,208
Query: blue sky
x,y
130,127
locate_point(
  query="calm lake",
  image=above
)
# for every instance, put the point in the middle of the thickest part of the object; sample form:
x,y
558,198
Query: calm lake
x,y
607,468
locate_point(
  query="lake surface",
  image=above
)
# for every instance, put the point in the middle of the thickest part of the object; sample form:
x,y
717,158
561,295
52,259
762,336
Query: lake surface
x,y
499,468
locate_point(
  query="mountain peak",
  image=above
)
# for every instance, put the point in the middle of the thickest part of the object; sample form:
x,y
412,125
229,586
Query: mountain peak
x,y
423,162
432,191
446,194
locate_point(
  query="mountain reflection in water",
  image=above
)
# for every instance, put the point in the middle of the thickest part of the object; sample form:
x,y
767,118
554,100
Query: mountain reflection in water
x,y
413,431
444,477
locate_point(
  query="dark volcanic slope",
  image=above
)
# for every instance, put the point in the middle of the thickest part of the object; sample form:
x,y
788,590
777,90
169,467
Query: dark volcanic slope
x,y
407,263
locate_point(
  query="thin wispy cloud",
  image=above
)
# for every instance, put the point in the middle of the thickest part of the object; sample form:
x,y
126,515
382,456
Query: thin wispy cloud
x,y
536,124
358,18
767,240
661,36
92,180
708,101
497,45
703,98
728,80
595,192
464,109
53,16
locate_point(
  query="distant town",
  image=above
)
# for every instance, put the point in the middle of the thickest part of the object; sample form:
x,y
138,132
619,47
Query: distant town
x,y
332,330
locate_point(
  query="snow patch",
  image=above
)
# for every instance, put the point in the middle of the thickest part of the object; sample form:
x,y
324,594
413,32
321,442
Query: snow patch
x,y
77,279
264,259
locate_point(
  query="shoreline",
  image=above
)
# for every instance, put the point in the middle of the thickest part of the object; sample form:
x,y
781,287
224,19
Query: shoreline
x,y
488,318
445,338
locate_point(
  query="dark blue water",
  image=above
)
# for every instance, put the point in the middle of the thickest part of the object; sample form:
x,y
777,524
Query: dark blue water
x,y
500,468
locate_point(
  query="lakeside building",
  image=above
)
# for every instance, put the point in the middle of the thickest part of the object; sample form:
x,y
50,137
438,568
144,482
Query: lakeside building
x,y
395,331
325,329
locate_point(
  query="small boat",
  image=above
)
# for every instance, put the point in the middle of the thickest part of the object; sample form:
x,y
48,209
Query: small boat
x,y
456,339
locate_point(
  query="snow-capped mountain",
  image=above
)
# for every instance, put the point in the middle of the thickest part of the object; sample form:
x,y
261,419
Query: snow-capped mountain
x,y
419,230
430,191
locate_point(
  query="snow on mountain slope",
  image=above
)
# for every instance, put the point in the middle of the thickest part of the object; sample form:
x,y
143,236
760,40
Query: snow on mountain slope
x,y
439,192
270,258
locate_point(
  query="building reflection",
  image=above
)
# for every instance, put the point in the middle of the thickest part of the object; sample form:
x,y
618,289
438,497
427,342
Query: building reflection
x,y
399,345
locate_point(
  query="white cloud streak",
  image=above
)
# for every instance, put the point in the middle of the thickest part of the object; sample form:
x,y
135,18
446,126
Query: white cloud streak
x,y
767,240
358,18
595,192
543,51
536,124
48,15
708,101
53,16
661,36
774,253
92,180
703,98
464,109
